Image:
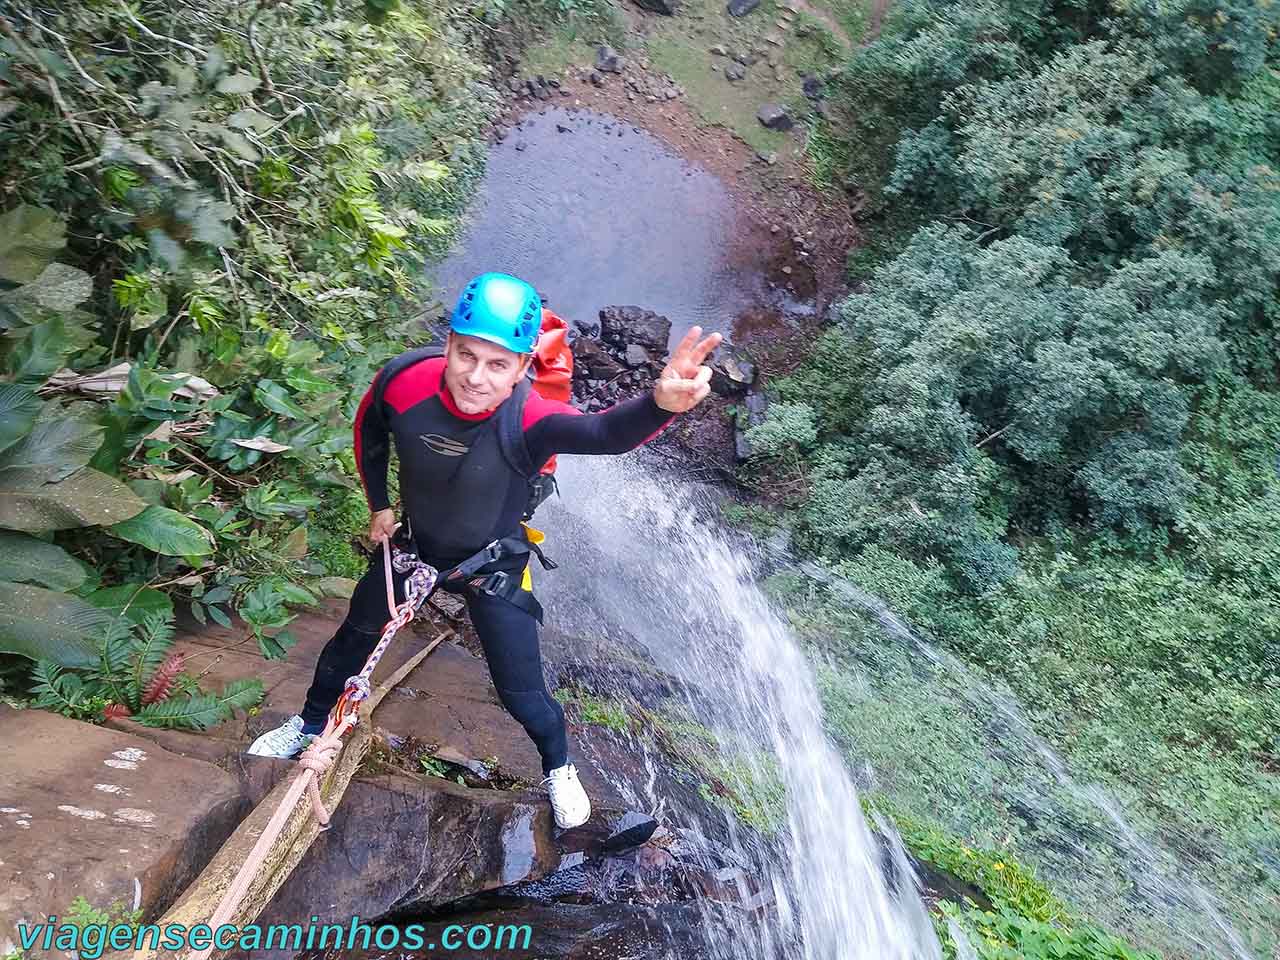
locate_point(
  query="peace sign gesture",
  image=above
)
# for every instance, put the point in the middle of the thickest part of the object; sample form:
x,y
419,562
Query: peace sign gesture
x,y
685,382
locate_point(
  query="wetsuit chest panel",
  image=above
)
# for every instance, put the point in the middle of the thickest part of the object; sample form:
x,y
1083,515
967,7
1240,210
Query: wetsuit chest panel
x,y
454,481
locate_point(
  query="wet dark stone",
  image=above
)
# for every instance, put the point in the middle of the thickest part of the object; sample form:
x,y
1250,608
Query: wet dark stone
x,y
593,360
774,117
620,326
732,372
635,355
608,60
756,405
667,8
740,8
813,88
562,931
630,830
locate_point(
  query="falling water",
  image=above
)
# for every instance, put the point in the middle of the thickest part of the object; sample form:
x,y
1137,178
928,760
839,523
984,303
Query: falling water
x,y
673,581
663,573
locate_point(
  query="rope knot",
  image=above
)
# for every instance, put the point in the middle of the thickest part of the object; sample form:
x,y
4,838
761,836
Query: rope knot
x,y
358,688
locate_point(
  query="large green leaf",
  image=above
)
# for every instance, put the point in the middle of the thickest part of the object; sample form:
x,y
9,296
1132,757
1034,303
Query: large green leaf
x,y
60,287
132,600
48,625
54,449
276,399
84,499
18,409
165,531
25,559
30,237
40,352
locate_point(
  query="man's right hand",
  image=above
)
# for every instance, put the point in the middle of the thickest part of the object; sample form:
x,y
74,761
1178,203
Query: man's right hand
x,y
381,525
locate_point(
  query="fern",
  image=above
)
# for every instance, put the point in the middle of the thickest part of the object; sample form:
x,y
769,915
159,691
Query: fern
x,y
63,693
113,658
241,694
164,681
200,711
196,712
149,648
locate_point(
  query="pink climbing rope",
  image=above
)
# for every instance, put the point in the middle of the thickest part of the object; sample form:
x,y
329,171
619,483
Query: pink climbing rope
x,y
323,751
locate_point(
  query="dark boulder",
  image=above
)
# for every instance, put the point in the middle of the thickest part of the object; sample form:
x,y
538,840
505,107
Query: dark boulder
x,y
774,117
620,326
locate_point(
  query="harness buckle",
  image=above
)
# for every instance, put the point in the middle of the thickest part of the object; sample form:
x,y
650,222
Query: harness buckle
x,y
496,584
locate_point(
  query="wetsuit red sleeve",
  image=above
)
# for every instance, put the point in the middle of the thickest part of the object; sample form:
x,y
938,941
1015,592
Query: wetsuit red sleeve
x,y
553,427
373,449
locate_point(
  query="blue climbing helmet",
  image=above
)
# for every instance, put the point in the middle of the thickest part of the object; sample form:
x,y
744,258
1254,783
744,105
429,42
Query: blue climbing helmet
x,y
499,308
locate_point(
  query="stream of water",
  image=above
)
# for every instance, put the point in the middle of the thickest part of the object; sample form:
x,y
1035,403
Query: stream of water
x,y
672,581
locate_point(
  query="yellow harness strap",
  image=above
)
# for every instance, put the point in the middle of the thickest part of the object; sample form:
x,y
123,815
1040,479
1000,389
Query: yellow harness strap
x,y
534,536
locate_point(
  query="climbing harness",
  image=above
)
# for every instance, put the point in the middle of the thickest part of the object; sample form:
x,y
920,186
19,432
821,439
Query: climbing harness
x,y
317,759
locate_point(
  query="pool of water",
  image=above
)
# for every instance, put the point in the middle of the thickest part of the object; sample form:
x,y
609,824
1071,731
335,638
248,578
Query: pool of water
x,y
594,212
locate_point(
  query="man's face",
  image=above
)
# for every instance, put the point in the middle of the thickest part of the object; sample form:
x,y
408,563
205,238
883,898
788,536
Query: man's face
x,y
480,374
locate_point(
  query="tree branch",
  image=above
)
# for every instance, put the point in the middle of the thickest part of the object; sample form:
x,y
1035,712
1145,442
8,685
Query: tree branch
x,y
54,91
155,36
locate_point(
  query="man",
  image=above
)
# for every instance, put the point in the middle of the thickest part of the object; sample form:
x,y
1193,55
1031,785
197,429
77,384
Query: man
x,y
460,491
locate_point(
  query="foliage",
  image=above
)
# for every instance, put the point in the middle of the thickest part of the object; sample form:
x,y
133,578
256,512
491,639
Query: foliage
x,y
83,914
1009,935
138,675
213,233
1007,883
597,711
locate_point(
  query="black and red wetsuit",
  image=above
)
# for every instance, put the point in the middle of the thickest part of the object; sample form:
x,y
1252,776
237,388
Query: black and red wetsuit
x,y
453,485
459,495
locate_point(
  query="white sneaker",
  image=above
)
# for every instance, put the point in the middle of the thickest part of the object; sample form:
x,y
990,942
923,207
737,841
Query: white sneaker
x,y
285,741
568,799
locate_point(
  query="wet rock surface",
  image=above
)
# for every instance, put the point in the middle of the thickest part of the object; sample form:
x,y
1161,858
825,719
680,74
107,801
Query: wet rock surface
x,y
103,814
625,351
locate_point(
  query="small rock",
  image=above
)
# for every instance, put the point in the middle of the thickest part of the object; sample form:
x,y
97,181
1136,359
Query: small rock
x,y
774,117
740,8
565,93
515,84
774,229
734,72
561,128
665,7
718,51
672,93
553,82
520,145
596,79
787,271
608,60
774,39
636,355
748,59
732,371
813,88
623,325
781,24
